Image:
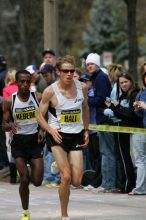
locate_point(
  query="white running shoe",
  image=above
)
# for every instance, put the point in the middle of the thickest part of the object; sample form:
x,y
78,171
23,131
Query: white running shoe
x,y
100,189
88,188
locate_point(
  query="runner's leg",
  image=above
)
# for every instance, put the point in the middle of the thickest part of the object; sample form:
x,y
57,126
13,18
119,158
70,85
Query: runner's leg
x,y
61,159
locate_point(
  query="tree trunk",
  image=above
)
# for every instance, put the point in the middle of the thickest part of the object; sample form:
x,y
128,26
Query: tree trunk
x,y
133,49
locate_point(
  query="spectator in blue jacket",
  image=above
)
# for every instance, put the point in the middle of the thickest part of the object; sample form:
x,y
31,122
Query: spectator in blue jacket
x,y
101,86
101,89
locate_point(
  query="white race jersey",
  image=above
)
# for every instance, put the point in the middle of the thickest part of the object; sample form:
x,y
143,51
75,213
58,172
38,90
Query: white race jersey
x,y
67,115
24,113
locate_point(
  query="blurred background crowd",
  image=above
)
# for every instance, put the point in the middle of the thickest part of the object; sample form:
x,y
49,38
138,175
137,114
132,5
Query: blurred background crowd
x,y
101,33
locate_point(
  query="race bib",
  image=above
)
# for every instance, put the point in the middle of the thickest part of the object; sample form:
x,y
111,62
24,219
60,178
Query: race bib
x,y
70,116
24,114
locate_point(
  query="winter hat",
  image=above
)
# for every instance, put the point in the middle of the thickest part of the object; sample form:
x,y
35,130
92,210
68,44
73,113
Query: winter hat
x,y
85,77
93,58
48,50
32,69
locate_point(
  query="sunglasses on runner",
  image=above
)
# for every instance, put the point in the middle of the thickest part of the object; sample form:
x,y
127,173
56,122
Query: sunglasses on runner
x,y
67,71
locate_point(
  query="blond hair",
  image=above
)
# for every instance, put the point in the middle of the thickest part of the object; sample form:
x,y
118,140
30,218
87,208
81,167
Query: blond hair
x,y
11,76
114,70
66,59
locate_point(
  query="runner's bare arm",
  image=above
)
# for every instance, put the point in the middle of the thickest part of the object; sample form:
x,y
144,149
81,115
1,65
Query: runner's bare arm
x,y
43,108
85,107
85,115
39,96
8,124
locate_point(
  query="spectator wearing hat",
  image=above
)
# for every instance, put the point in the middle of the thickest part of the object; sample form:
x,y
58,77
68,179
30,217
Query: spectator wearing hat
x,y
38,83
48,73
101,86
101,90
49,57
35,73
86,79
49,179
93,148
3,153
3,68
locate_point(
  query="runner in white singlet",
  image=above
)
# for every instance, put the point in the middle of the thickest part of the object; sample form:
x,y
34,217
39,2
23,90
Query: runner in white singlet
x,y
67,128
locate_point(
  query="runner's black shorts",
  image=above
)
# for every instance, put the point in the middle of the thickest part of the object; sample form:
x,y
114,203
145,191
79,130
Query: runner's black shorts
x,y
26,146
70,141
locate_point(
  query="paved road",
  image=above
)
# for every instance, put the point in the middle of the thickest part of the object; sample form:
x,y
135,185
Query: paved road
x,y
44,205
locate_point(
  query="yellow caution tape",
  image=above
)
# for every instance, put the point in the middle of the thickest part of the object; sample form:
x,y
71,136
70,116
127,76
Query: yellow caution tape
x,y
120,129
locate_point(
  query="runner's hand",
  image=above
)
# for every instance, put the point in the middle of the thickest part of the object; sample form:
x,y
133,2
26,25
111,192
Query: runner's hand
x,y
86,139
41,136
55,134
14,127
